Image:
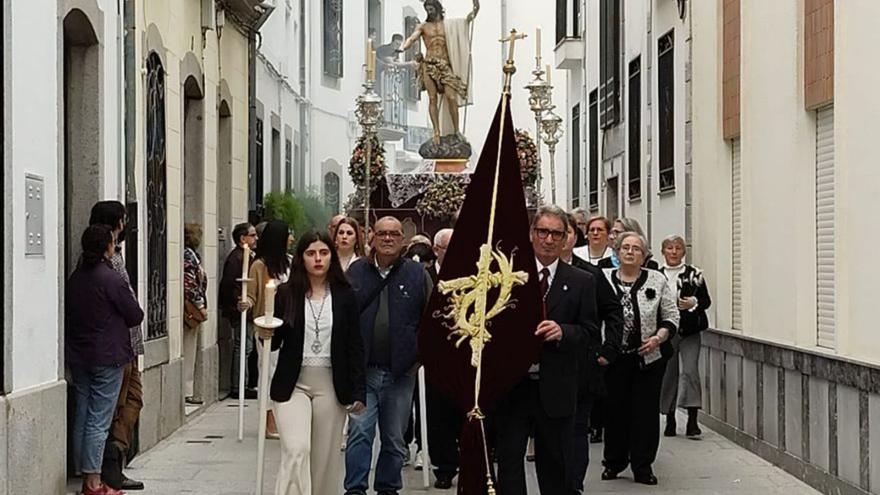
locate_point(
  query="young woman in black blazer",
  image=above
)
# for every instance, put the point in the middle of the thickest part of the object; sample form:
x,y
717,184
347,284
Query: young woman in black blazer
x,y
320,376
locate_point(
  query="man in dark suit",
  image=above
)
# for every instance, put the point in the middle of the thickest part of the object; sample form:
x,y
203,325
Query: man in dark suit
x,y
594,358
547,397
444,420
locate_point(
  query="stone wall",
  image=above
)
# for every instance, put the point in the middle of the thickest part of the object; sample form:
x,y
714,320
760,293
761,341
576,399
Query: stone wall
x,y
815,415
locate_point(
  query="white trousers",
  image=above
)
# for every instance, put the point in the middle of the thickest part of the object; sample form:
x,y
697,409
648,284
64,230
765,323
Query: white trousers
x,y
190,344
311,424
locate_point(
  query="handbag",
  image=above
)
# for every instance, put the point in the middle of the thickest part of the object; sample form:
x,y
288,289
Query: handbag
x,y
192,315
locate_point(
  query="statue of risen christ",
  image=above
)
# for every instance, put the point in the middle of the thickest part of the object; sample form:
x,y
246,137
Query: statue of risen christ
x,y
447,49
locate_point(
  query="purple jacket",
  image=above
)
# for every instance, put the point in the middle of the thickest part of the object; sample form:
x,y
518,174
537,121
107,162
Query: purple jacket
x,y
99,311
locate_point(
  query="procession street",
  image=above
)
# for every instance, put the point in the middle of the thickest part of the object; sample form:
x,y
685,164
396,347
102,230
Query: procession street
x,y
204,458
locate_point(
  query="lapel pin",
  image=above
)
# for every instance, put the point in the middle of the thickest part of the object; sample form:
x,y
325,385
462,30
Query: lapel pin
x,y
564,287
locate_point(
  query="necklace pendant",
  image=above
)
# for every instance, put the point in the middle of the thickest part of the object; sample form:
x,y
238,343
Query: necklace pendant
x,y
316,346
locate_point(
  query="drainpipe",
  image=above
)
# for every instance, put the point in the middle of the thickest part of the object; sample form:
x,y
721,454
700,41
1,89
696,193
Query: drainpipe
x,y
649,191
267,9
127,87
120,98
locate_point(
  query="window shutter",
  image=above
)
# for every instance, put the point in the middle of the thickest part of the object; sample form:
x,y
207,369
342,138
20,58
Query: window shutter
x,y
825,236
736,273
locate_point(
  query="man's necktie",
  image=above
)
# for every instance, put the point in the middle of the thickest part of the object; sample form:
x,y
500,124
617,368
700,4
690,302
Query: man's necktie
x,y
545,287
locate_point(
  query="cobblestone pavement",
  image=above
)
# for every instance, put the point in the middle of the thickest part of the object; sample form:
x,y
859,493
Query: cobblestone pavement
x,y
205,458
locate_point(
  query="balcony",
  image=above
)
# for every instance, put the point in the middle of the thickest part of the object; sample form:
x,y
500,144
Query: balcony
x,y
569,51
391,87
249,14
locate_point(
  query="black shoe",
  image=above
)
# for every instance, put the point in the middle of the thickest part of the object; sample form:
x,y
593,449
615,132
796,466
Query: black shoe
x,y
444,482
609,474
645,479
388,493
595,435
693,430
355,492
111,466
670,426
130,484
193,401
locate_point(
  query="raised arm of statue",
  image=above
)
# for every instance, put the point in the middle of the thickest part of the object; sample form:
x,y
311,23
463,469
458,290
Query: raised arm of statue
x,y
413,38
473,14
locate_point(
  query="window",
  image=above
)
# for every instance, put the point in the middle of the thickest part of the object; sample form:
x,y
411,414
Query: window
x,y
594,152
561,20
276,160
736,234
567,19
331,192
257,178
634,121
666,113
288,164
157,232
333,38
576,156
413,91
826,299
609,63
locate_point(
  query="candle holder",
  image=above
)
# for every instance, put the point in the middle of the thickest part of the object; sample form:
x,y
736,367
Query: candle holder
x,y
551,133
368,111
540,99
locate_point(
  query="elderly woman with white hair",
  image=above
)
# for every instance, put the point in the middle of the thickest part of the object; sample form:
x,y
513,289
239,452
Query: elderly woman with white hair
x,y
650,317
683,387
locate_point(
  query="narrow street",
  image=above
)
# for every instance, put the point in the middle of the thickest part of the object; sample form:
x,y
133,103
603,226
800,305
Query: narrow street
x,y
204,458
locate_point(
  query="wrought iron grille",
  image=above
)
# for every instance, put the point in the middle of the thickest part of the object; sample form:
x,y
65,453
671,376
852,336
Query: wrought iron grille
x,y
157,218
333,38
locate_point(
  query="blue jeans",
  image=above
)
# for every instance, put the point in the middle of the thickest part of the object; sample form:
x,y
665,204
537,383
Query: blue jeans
x,y
97,392
389,401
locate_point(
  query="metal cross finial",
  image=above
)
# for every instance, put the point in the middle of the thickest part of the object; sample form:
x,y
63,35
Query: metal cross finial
x,y
509,67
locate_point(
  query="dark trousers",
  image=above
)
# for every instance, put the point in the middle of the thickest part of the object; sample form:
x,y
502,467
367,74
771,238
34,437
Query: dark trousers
x,y
553,443
444,428
632,428
580,457
128,407
597,417
414,422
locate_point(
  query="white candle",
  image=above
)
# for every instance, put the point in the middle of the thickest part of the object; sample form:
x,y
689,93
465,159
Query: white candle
x,y
538,42
245,261
548,74
269,299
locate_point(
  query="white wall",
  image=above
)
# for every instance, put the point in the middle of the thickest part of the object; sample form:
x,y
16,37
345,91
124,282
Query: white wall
x,y
32,146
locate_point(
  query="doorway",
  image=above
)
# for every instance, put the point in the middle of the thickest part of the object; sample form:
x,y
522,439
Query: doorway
x,y
225,242
612,199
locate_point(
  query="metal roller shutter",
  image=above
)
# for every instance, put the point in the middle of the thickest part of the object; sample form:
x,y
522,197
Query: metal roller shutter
x,y
826,334
736,237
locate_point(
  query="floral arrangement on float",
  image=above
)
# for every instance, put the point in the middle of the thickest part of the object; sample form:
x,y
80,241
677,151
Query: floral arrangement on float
x,y
529,166
443,198
357,164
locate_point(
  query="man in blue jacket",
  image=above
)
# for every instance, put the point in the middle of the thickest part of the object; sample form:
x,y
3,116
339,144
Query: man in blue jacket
x,y
392,292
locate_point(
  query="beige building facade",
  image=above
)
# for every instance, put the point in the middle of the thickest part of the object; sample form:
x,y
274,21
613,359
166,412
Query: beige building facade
x,y
784,225
190,166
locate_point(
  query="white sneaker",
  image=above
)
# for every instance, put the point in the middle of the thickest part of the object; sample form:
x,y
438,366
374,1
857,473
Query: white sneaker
x,y
418,461
407,457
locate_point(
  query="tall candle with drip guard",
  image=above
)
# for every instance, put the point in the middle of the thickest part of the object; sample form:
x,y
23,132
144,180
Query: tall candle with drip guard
x,y
538,43
269,307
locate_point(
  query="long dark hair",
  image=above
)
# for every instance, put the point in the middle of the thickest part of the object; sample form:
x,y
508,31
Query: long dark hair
x,y
272,248
299,276
94,241
358,236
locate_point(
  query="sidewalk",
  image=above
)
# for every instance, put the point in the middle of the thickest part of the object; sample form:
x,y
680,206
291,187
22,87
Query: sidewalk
x,y
205,458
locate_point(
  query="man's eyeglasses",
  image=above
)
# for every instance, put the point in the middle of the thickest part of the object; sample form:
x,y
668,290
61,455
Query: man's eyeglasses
x,y
556,235
252,234
394,234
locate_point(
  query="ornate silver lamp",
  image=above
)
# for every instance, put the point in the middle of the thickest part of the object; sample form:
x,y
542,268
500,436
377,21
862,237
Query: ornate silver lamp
x,y
368,113
539,101
551,133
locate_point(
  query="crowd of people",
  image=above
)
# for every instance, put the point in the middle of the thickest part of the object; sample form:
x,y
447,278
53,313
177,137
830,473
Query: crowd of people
x,y
620,332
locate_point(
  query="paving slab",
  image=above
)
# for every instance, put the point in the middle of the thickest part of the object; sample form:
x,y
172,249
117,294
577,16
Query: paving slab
x,y
205,458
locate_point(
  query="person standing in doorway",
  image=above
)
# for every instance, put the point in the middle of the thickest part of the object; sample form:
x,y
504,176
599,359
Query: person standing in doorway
x,y
100,310
244,234
320,372
131,393
392,293
195,287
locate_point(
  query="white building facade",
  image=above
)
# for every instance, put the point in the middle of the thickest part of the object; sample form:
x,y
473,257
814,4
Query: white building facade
x,y
629,109
785,190
62,151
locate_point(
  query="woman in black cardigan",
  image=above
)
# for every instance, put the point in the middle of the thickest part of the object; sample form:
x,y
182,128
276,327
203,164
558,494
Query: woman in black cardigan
x,y
683,388
320,375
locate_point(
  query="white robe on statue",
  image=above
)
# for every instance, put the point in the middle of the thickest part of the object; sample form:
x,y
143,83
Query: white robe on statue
x,y
458,45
